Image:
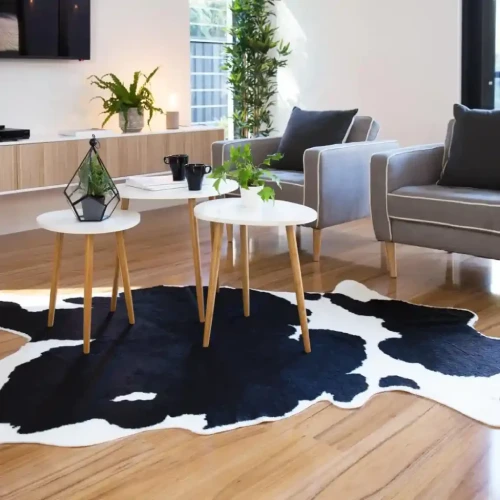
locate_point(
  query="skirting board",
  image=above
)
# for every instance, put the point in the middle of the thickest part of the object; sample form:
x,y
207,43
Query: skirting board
x,y
18,211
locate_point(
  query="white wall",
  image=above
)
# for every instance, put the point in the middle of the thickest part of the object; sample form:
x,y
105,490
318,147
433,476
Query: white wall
x,y
396,60
127,36
49,96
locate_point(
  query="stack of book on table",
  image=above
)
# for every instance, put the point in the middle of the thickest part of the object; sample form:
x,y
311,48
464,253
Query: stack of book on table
x,y
156,183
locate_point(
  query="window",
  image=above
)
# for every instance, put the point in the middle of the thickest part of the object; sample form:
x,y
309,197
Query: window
x,y
209,94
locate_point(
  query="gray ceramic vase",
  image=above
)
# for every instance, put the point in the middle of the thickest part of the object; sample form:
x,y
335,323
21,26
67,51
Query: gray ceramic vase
x,y
135,121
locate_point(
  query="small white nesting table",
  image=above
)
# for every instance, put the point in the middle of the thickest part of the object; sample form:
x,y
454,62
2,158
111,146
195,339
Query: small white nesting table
x,y
181,192
64,222
279,213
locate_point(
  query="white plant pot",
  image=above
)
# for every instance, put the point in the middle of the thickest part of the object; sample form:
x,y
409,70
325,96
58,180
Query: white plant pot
x,y
250,197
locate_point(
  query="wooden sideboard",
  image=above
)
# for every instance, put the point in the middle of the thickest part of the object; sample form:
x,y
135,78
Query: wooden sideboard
x,y
47,163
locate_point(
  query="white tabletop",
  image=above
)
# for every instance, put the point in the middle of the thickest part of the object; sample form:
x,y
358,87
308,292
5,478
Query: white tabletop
x,y
65,221
232,211
181,193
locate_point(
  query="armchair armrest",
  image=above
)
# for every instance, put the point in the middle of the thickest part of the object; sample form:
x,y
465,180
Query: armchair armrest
x,y
337,180
390,171
261,148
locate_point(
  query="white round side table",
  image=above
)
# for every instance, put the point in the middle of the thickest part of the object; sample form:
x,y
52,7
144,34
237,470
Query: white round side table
x,y
279,213
179,192
64,222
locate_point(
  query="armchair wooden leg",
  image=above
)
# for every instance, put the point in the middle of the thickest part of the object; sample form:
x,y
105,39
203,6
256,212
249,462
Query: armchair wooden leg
x,y
87,300
390,250
317,244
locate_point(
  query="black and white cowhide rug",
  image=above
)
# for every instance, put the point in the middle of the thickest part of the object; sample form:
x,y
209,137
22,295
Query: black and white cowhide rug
x,y
156,375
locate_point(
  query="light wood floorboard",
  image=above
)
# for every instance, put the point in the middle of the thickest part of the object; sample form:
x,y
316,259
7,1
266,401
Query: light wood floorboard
x,y
398,446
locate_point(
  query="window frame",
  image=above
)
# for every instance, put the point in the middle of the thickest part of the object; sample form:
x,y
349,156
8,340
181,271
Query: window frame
x,y
225,88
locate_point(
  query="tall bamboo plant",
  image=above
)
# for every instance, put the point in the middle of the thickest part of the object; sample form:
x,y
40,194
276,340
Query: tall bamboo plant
x,y
252,62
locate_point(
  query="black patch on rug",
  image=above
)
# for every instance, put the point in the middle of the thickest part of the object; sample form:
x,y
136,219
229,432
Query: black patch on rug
x,y
395,381
251,370
437,338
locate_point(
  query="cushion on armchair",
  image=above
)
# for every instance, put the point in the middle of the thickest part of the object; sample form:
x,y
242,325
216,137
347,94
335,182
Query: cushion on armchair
x,y
473,159
310,129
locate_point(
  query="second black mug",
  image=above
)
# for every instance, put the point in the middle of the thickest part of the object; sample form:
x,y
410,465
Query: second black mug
x,y
177,165
194,175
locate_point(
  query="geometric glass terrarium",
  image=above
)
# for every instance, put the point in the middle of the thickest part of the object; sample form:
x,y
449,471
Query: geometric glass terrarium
x,y
91,191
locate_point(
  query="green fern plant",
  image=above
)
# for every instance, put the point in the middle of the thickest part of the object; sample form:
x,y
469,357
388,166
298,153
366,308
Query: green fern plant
x,y
94,179
241,168
124,98
252,62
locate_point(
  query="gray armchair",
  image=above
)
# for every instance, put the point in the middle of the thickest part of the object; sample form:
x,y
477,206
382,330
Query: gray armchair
x,y
335,180
409,207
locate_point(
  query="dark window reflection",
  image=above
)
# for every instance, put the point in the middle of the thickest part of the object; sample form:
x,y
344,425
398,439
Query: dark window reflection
x,y
45,28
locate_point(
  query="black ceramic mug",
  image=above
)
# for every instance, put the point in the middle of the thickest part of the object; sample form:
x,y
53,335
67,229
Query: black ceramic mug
x,y
177,164
194,175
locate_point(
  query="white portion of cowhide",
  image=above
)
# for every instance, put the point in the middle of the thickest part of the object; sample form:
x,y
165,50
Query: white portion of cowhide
x,y
135,396
476,397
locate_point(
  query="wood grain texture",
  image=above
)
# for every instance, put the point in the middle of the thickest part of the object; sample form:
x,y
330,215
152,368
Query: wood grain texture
x,y
87,303
298,285
245,270
316,244
55,278
60,161
53,163
213,282
198,145
31,166
392,266
398,446
122,259
8,169
195,244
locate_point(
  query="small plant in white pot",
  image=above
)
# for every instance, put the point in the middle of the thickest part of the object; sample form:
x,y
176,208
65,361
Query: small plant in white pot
x,y
251,178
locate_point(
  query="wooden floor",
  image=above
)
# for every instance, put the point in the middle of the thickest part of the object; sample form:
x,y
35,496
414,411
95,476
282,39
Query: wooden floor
x,y
397,446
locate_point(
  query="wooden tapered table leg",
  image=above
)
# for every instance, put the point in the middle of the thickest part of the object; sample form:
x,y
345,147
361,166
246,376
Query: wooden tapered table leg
x,y
122,257
245,272
87,301
230,233
212,198
55,278
299,288
64,221
212,228
195,240
116,279
212,288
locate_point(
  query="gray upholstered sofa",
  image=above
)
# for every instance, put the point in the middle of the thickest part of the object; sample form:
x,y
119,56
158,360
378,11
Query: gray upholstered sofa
x,y
409,207
335,181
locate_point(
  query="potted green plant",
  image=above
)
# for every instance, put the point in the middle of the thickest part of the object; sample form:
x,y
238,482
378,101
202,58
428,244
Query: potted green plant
x,y
252,62
130,103
251,178
95,181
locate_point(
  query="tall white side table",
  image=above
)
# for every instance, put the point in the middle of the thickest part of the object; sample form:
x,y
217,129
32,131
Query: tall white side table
x,y
64,222
279,213
180,192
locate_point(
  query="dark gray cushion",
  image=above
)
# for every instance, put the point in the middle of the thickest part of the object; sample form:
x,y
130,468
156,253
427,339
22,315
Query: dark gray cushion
x,y
474,155
310,129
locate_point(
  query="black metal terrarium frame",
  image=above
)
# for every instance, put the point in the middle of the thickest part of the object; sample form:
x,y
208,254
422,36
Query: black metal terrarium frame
x,y
91,192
